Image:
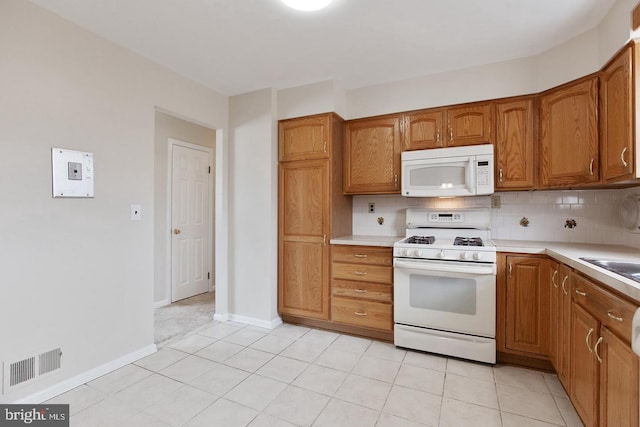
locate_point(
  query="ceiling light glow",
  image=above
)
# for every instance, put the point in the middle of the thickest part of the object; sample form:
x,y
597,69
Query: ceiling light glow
x,y
307,5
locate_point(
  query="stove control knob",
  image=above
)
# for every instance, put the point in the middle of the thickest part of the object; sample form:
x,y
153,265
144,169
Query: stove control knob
x,y
464,255
477,256
442,254
402,252
417,253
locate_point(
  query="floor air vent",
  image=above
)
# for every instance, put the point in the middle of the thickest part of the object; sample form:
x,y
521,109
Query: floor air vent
x,y
30,368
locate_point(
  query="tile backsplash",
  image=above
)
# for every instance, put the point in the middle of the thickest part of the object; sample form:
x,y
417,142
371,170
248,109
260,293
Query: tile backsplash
x,y
551,215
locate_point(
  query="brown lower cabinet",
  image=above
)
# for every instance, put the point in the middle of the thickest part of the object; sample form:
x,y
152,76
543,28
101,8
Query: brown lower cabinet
x,y
560,330
604,369
524,300
362,287
589,331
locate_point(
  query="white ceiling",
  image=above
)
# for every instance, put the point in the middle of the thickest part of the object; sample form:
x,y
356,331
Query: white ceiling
x,y
237,46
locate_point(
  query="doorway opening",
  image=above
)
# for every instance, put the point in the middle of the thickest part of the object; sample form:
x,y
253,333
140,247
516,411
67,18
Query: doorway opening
x,y
184,285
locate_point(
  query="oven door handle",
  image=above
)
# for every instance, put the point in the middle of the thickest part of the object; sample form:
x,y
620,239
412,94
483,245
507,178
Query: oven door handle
x,y
446,268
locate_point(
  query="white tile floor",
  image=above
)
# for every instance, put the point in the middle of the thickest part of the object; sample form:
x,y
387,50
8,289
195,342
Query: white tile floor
x,y
228,374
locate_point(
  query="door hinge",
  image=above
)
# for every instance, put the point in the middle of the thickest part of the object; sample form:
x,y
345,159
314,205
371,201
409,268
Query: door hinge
x,y
209,169
208,276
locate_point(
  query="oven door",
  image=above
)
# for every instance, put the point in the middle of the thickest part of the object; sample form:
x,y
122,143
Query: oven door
x,y
447,296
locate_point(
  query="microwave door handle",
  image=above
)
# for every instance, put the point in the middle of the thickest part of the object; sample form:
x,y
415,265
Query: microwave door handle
x,y
472,175
468,269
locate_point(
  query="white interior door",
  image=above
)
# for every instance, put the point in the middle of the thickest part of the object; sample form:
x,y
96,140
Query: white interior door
x,y
189,222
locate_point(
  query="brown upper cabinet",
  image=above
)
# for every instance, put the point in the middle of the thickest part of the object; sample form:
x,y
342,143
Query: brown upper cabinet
x,y
515,144
616,117
569,134
305,138
372,156
451,127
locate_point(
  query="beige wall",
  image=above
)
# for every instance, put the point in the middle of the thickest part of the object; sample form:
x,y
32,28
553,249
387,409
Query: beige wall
x,y
78,273
168,126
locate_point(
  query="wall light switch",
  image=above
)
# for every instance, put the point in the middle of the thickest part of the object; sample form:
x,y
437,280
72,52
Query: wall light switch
x,y
136,214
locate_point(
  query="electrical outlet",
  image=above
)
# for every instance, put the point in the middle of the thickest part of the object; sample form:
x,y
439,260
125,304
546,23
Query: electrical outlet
x,y
136,213
372,208
496,203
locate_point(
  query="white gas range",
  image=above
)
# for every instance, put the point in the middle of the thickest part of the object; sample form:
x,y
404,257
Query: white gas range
x,y
445,284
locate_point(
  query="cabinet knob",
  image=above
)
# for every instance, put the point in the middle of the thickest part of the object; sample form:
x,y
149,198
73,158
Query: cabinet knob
x,y
176,231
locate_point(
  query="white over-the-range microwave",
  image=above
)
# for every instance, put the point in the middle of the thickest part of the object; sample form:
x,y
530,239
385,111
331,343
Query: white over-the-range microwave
x,y
448,172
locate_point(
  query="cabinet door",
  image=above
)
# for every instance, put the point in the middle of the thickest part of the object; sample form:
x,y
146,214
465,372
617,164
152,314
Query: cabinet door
x,y
372,156
564,326
569,135
303,263
616,119
527,309
305,138
469,125
554,308
584,368
514,146
423,130
618,382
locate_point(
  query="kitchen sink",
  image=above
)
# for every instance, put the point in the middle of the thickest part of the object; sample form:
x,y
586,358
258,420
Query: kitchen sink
x,y
627,269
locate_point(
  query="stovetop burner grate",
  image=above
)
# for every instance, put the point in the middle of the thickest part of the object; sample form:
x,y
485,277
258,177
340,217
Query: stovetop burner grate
x,y
421,240
468,241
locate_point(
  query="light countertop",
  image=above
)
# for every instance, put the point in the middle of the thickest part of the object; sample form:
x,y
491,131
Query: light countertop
x,y
570,254
567,253
385,241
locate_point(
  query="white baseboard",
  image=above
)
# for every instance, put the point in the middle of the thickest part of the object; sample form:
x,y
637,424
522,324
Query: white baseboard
x,y
87,376
161,303
267,324
221,317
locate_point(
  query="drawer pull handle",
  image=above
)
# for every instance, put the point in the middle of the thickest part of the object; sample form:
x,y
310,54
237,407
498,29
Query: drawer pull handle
x,y
595,349
360,273
359,313
613,316
579,292
587,340
360,255
361,291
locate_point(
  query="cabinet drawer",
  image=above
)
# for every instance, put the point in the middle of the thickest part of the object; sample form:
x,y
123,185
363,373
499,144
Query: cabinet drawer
x,y
361,290
362,272
362,255
363,313
614,312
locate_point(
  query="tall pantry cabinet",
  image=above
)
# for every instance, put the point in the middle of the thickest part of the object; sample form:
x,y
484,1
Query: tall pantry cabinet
x,y
311,210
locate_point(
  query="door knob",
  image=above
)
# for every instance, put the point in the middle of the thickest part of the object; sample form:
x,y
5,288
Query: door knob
x,y
176,231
